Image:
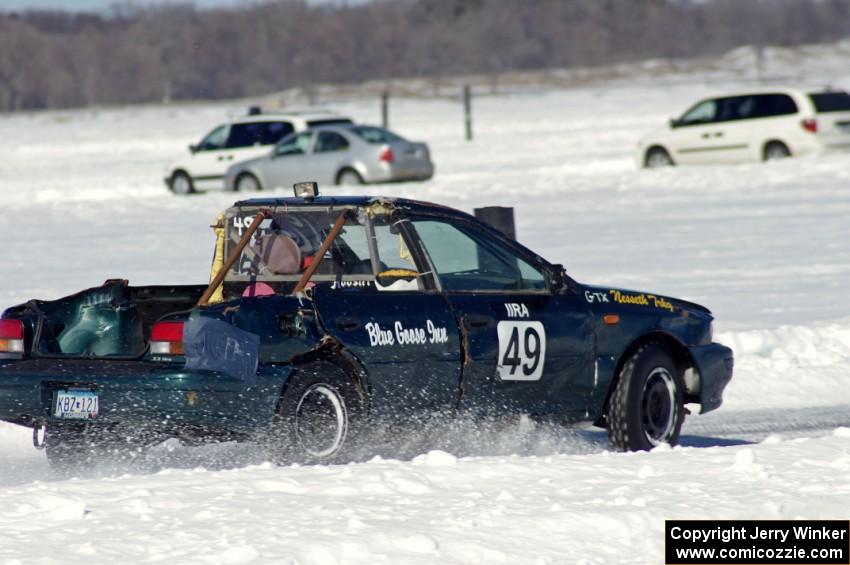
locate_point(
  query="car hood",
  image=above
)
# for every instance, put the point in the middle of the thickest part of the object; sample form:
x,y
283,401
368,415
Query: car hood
x,y
609,296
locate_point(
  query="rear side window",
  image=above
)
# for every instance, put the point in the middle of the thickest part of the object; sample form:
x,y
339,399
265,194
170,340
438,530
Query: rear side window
x,y
767,105
376,135
735,108
831,101
257,133
328,141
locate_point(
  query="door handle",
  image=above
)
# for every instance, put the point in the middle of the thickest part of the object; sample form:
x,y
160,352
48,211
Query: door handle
x,y
718,134
347,324
705,135
478,322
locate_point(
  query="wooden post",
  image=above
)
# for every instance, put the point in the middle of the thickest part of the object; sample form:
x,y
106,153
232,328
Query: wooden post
x,y
499,217
385,109
467,111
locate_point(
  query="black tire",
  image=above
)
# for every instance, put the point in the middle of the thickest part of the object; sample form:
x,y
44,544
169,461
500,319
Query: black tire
x,y
646,408
349,177
775,150
246,182
656,158
181,184
319,416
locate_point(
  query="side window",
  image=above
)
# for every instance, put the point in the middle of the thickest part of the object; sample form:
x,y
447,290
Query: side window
x,y
703,113
736,108
468,261
394,258
214,140
294,144
328,141
272,132
244,135
768,105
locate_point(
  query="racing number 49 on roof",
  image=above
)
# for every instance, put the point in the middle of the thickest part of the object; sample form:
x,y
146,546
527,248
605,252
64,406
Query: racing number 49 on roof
x,y
326,315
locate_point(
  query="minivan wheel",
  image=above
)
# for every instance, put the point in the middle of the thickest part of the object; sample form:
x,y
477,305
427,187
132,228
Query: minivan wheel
x,y
657,157
776,150
181,183
248,183
349,177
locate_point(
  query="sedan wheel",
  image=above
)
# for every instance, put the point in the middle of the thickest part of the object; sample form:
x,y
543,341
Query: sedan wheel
x,y
646,407
349,177
248,183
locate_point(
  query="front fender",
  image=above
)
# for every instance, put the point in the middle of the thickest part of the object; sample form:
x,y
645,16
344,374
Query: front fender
x,y
714,363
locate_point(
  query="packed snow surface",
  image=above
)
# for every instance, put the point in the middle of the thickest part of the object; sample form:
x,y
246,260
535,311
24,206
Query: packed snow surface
x,y
765,246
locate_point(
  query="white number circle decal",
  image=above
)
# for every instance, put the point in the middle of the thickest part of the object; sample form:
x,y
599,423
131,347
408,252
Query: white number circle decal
x,y
522,350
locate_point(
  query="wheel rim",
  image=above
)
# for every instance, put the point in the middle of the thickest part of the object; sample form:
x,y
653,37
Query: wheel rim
x,y
658,405
247,183
181,184
349,177
321,422
657,159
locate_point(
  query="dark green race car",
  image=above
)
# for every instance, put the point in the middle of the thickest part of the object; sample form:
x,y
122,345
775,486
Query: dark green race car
x,y
325,315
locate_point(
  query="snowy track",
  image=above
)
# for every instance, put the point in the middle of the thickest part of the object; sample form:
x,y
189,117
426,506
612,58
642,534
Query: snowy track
x,y
764,246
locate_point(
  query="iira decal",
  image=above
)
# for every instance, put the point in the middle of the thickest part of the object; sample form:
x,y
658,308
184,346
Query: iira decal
x,y
379,336
641,300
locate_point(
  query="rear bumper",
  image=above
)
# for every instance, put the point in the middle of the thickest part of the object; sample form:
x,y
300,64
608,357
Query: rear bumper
x,y
141,393
715,363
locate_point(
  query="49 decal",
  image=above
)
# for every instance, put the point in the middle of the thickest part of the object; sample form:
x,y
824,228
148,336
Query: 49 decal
x,y
522,350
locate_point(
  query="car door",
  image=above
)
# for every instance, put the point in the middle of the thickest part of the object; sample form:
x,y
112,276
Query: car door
x,y
404,333
205,163
288,162
329,156
713,131
528,348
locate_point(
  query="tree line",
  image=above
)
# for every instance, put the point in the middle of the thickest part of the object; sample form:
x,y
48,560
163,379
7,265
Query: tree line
x,y
53,59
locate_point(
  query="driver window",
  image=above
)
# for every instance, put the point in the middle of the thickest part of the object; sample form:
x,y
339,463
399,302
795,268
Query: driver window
x,y
396,267
214,140
297,144
468,261
703,113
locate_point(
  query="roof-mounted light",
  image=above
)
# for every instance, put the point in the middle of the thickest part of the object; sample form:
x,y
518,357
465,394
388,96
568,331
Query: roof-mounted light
x,y
307,190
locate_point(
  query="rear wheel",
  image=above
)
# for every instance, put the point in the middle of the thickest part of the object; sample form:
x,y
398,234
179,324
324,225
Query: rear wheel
x,y
776,150
318,416
181,183
248,183
657,157
349,177
646,408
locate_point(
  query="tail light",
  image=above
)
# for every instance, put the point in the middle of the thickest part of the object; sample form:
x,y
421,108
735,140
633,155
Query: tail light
x,y
810,125
386,155
11,336
167,338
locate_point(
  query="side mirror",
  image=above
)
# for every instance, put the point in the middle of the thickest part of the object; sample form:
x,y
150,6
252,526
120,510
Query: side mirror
x,y
674,123
193,148
558,277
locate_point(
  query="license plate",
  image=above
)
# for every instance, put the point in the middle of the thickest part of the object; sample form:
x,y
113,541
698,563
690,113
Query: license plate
x,y
75,404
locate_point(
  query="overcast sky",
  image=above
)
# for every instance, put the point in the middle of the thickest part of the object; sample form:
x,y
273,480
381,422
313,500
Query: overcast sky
x,y
100,5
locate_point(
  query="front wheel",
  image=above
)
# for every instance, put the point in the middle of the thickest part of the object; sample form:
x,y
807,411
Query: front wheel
x,y
646,408
318,416
247,183
656,158
181,183
349,177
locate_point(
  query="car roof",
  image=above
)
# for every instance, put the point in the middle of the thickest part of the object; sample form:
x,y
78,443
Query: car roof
x,y
353,201
780,89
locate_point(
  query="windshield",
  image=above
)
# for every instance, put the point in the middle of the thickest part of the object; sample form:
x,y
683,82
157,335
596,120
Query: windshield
x,y
831,101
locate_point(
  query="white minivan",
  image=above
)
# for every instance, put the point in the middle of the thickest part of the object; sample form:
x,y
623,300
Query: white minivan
x,y
204,165
752,126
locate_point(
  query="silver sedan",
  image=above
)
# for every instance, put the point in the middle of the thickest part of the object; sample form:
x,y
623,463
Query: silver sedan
x,y
352,154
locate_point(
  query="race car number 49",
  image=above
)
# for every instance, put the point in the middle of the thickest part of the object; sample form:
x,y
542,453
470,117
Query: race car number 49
x,y
522,350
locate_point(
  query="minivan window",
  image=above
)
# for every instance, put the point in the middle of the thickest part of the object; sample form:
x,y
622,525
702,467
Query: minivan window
x,y
831,101
735,108
329,122
768,105
702,113
214,140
